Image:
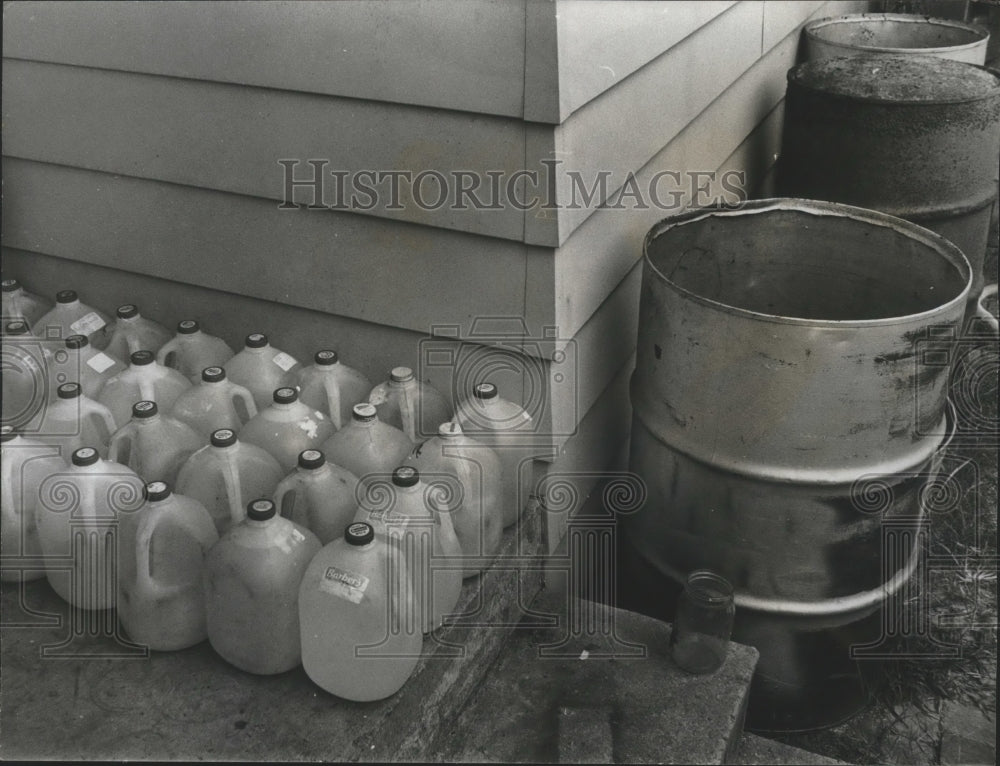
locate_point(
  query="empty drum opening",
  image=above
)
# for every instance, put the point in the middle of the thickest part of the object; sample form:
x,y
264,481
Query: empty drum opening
x,y
895,33
806,265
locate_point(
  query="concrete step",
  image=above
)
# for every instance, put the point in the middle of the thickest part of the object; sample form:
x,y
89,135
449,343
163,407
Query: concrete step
x,y
753,749
583,682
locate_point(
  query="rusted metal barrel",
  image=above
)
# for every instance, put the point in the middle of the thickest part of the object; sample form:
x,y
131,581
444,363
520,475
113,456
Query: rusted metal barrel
x,y
860,34
782,412
913,136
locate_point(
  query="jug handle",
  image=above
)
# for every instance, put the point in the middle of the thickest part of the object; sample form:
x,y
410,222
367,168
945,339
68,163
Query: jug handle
x,y
231,481
286,486
333,401
983,313
143,564
238,392
106,419
122,437
406,409
167,348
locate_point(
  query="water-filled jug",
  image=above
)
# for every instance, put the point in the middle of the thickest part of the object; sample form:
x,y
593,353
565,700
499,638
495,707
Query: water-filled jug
x,y
161,585
18,303
318,495
261,368
24,465
215,402
366,446
412,515
152,444
414,407
224,475
508,429
71,317
191,350
73,421
142,380
287,427
81,363
133,332
332,387
24,378
78,516
469,473
359,617
252,578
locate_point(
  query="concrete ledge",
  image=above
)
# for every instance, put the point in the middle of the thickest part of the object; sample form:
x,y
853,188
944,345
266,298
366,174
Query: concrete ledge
x,y
191,705
753,749
597,658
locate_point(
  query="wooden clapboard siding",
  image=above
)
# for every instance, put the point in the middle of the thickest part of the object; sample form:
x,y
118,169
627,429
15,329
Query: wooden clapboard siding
x,y
231,138
386,272
467,55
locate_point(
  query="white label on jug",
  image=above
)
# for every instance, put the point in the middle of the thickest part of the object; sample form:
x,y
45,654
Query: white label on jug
x,y
298,536
284,361
100,362
344,584
87,324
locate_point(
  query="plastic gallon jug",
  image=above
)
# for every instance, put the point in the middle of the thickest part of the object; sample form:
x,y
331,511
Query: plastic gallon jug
x,y
252,578
161,583
81,363
25,388
190,351
24,465
73,421
509,429
142,380
214,403
71,317
318,495
153,445
407,512
414,407
287,427
222,475
366,446
133,332
331,387
18,303
468,474
261,369
359,618
78,515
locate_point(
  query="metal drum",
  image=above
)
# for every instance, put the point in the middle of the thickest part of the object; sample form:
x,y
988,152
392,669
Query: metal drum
x,y
860,34
913,136
789,398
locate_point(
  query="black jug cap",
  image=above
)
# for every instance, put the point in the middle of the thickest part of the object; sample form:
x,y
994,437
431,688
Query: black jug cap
x,y
66,296
405,476
187,327
364,412
10,285
69,391
128,311
325,356
450,428
260,509
359,533
213,374
401,374
85,456
142,358
17,327
224,437
77,341
156,490
144,409
311,458
256,340
285,395
484,391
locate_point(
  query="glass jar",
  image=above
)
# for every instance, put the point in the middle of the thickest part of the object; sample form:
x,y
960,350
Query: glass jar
x,y
704,621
